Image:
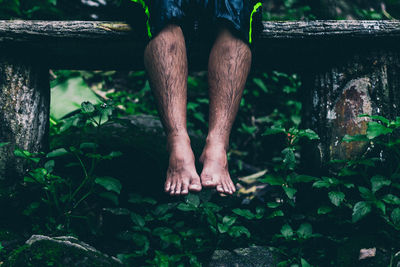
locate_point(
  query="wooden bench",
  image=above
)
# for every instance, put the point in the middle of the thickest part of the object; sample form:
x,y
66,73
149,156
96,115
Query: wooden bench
x,y
347,68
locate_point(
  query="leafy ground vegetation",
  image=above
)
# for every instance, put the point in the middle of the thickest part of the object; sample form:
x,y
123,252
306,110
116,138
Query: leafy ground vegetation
x,y
306,218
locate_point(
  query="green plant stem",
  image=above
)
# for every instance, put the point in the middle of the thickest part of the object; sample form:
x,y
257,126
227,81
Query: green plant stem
x,y
84,180
82,165
54,194
82,198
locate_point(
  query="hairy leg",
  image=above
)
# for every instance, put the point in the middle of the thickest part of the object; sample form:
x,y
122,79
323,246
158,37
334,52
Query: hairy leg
x,y
228,67
166,63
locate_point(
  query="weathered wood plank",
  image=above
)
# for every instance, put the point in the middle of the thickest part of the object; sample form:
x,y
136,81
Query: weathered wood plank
x,y
31,30
115,45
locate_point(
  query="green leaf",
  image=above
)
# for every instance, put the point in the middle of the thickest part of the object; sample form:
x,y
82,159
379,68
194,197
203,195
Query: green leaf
x,y
290,192
272,180
110,196
237,231
366,162
244,213
117,211
31,208
378,182
376,117
229,220
171,239
21,153
380,205
137,219
274,130
276,213
360,210
115,154
260,83
193,200
4,144
57,153
365,193
336,197
159,231
391,199
321,184
109,183
87,107
71,93
395,216
347,172
308,133
137,199
211,218
211,206
324,210
29,180
348,185
36,160
289,158
304,231
161,209
260,211
223,228
88,145
49,165
354,138
199,116
304,263
287,231
303,179
141,241
273,205
186,207
375,129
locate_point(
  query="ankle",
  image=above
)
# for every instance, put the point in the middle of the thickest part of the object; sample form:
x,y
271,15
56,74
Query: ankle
x,y
177,139
219,143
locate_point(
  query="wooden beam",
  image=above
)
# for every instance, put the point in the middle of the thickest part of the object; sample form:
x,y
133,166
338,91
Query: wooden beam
x,y
105,44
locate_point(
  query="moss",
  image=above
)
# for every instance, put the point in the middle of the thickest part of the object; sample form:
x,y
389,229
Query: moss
x,y
6,235
48,253
14,255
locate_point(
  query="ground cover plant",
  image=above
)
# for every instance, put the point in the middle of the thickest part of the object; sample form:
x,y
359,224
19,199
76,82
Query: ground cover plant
x,y
304,218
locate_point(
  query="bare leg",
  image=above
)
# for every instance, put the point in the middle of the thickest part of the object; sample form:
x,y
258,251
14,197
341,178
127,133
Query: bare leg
x,y
166,63
228,67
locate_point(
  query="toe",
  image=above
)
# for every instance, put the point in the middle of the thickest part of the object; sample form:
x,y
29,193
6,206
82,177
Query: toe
x,y
226,188
178,188
195,187
195,184
207,180
172,189
232,186
167,186
220,188
185,189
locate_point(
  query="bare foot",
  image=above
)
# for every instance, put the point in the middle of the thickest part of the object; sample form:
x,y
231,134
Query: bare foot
x,y
215,169
181,174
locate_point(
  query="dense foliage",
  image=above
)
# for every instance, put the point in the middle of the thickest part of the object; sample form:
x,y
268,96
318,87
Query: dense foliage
x,y
306,218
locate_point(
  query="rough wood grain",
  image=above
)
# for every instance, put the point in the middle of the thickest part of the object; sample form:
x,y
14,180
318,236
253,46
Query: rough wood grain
x,y
367,82
23,30
24,113
115,45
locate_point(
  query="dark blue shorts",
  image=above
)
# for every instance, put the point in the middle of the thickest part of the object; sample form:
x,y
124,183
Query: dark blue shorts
x,y
203,16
